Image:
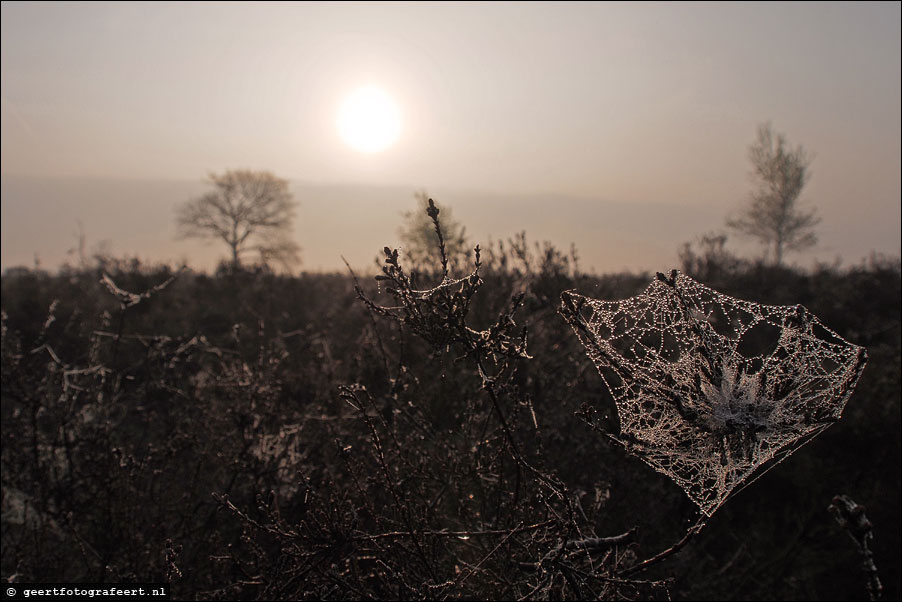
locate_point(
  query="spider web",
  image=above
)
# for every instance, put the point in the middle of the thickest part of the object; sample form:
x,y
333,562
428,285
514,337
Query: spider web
x,y
711,390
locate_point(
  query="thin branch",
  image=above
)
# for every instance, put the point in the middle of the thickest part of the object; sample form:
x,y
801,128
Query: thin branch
x,y
690,533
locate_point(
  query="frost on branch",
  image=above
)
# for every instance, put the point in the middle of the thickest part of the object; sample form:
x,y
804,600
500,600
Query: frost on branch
x,y
710,390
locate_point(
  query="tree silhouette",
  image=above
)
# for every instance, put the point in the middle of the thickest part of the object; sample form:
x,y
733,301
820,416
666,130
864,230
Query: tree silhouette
x,y
420,245
249,211
773,215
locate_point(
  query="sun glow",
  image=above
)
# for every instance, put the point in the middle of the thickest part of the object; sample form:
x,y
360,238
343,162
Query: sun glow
x,y
369,121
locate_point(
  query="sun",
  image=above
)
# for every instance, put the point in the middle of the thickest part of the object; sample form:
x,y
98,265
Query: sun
x,y
369,121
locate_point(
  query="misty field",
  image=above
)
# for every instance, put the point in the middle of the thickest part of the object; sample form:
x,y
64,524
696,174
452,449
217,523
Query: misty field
x,y
250,435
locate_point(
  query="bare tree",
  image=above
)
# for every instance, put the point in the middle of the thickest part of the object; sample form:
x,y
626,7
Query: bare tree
x,y
773,215
707,257
419,241
249,211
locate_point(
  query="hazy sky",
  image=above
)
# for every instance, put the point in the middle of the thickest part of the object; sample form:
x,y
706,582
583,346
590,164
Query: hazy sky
x,y
621,114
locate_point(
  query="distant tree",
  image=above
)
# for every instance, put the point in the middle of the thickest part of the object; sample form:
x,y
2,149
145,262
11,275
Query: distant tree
x,y
249,211
773,215
707,258
419,241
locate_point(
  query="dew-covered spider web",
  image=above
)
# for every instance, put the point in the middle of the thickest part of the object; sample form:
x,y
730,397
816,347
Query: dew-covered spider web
x,y
710,390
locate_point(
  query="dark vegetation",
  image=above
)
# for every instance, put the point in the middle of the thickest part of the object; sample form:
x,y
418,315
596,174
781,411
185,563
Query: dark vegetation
x,y
249,435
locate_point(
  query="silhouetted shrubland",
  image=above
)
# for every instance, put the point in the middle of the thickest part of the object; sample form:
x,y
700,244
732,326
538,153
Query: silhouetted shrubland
x,y
249,435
